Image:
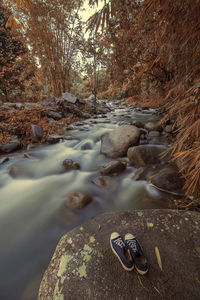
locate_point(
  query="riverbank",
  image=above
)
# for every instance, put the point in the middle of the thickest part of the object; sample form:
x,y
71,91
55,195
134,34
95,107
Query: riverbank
x,y
17,119
35,123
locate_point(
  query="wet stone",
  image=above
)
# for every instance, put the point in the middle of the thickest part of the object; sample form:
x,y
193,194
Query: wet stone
x,y
154,133
31,146
143,173
167,179
19,172
151,126
54,138
78,200
10,147
116,142
143,155
87,146
138,124
69,165
106,182
4,160
113,166
26,155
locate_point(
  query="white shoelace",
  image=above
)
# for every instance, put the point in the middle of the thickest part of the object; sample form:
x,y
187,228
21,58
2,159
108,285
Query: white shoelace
x,y
119,243
132,244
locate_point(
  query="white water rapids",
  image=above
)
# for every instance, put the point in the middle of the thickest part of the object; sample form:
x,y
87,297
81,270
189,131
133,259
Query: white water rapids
x,y
32,212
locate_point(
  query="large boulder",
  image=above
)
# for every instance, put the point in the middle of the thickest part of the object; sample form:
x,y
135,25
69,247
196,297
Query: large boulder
x,y
117,142
84,266
143,155
167,179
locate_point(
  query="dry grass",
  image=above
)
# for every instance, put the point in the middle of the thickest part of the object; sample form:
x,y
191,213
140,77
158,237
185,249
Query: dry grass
x,y
148,102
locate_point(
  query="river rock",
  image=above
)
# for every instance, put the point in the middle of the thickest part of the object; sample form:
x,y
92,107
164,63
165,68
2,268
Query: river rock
x,y
107,182
31,146
10,147
69,97
85,115
69,165
37,132
143,155
159,140
138,124
145,172
151,126
154,133
84,266
167,179
54,115
168,128
4,160
87,146
113,166
54,138
29,107
78,200
18,105
28,156
17,171
117,142
91,98
49,101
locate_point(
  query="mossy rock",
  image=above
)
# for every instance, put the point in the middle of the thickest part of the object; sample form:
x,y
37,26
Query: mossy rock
x,y
84,267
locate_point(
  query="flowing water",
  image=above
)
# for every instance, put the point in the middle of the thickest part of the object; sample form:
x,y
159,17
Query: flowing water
x,y
33,216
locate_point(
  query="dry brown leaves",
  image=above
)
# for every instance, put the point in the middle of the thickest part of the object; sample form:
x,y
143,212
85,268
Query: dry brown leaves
x,y
18,123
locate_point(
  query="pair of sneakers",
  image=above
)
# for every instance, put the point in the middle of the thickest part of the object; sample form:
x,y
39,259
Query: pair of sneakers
x,y
129,252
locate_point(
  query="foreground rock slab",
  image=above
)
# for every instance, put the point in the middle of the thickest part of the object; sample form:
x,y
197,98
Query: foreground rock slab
x,y
84,267
117,142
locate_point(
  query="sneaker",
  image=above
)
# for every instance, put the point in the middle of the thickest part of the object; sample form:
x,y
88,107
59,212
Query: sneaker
x,y
136,254
122,252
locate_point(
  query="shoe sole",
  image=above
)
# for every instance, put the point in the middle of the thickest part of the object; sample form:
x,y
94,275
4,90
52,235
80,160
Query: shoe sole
x,y
125,268
141,272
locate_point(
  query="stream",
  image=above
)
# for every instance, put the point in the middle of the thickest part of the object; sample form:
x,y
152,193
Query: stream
x,y
33,216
